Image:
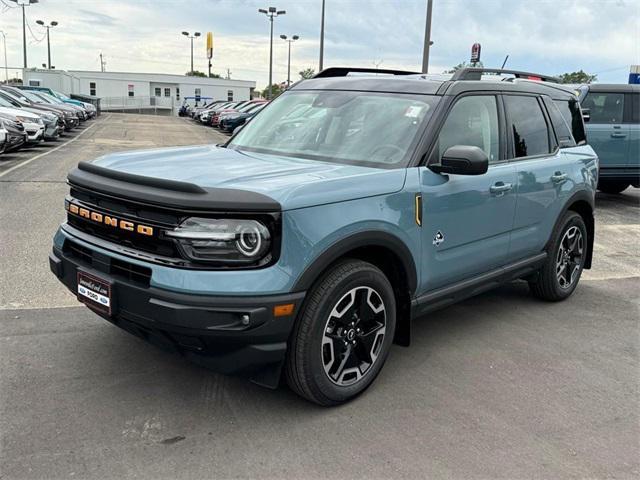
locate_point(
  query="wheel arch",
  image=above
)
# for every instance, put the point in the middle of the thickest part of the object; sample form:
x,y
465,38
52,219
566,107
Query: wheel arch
x,y
583,204
387,252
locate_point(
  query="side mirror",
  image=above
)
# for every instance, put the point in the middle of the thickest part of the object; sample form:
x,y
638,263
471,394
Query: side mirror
x,y
462,160
586,115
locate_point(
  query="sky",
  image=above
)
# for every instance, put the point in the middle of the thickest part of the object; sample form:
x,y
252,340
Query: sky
x,y
546,36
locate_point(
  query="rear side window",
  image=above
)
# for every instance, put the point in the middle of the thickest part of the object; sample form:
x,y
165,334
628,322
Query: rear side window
x,y
528,126
604,107
633,105
570,110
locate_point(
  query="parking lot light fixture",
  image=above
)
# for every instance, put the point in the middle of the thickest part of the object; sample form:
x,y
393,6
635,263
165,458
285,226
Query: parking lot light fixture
x,y
48,27
24,3
188,35
271,13
290,41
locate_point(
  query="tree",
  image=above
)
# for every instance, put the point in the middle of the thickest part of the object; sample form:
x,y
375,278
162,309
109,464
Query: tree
x,y
197,73
464,65
307,73
577,77
275,91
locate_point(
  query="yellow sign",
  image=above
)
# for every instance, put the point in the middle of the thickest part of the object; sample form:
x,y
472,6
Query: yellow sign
x,y
209,45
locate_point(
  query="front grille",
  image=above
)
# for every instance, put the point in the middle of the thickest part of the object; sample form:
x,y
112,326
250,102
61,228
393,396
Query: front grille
x,y
119,269
159,219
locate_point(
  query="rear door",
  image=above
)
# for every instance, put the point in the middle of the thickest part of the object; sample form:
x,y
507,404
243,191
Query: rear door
x,y
606,131
632,116
544,173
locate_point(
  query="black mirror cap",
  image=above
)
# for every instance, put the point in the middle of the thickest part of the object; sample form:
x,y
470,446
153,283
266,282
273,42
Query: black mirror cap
x,y
462,160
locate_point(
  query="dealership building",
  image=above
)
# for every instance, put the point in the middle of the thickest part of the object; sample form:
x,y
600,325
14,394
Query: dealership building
x,y
129,91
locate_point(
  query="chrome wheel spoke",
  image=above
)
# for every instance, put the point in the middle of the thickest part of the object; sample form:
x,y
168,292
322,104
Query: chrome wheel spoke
x,y
569,257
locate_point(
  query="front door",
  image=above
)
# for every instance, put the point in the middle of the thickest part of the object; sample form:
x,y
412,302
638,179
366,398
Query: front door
x,y
467,220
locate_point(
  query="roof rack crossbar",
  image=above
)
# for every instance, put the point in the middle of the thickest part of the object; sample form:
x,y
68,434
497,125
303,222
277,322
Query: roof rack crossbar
x,y
344,71
475,73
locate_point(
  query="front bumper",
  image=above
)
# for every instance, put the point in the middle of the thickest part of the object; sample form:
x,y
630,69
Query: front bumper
x,y
35,133
229,334
13,141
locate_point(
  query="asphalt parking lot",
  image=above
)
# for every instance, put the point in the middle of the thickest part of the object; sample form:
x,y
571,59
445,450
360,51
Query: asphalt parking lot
x,y
500,386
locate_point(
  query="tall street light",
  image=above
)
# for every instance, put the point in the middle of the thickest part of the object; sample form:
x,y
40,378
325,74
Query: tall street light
x,y
188,35
271,13
321,39
53,24
427,38
24,3
6,69
289,41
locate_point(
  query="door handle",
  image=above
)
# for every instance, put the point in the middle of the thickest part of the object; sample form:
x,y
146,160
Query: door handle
x,y
500,188
559,177
618,135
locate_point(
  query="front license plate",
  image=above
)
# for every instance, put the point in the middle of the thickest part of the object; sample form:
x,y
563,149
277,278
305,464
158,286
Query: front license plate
x,y
94,292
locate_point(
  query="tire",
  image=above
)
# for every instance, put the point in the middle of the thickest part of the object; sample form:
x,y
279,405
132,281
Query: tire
x,y
612,187
327,330
560,274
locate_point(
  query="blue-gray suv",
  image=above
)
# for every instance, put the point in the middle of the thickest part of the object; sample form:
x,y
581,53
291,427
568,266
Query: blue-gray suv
x,y
304,246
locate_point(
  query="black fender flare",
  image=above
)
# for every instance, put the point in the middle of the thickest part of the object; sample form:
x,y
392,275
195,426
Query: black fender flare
x,y
579,196
371,238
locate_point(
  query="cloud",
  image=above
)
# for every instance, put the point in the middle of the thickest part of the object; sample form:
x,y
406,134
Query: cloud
x,y
551,36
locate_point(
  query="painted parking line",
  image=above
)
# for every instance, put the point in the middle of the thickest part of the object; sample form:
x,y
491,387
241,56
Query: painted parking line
x,y
27,162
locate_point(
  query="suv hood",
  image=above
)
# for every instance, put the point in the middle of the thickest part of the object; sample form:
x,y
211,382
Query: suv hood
x,y
293,182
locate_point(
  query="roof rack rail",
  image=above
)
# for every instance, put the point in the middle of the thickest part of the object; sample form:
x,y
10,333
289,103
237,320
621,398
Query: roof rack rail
x,y
475,73
344,71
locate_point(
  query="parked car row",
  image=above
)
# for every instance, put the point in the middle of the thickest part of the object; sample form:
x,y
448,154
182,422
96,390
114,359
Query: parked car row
x,y
227,116
30,115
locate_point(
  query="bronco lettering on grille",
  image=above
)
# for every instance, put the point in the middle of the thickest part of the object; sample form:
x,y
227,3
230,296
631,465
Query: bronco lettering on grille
x,y
108,220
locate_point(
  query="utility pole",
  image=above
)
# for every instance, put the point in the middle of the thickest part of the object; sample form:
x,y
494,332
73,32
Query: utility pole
x,y
6,69
102,63
24,3
427,38
321,39
228,74
271,14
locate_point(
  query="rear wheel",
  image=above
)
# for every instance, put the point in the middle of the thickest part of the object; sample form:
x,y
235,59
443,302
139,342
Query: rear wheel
x,y
344,335
559,276
612,186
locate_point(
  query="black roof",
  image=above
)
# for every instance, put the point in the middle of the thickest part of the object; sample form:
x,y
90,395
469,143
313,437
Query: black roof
x,y
421,84
614,87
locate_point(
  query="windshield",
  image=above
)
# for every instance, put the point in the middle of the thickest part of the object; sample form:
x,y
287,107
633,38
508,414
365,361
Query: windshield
x,y
5,103
32,96
50,98
366,128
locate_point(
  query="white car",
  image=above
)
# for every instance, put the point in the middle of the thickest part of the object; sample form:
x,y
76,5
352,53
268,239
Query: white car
x,y
33,123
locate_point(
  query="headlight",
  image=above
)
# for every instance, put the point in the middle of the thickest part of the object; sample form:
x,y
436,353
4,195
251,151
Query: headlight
x,y
68,114
28,120
230,241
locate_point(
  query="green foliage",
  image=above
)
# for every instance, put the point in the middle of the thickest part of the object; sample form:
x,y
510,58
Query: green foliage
x,y
464,65
577,77
197,73
307,73
276,90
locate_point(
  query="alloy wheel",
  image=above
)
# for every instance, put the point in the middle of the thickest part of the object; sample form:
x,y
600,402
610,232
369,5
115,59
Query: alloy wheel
x,y
570,256
353,335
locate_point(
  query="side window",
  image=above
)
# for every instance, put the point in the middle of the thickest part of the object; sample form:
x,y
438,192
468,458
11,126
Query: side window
x,y
167,92
230,95
177,93
560,122
527,125
158,91
632,104
473,121
604,107
92,88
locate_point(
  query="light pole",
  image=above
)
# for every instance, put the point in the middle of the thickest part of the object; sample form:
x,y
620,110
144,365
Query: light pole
x,y
24,3
289,41
321,38
195,34
427,38
53,24
6,69
271,13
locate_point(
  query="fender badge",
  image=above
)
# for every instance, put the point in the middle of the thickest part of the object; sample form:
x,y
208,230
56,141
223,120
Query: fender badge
x,y
438,239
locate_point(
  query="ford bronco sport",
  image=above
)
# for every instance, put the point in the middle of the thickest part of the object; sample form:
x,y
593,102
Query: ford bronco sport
x,y
303,247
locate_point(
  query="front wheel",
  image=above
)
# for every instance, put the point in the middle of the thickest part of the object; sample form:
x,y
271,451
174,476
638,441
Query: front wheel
x,y
344,334
559,276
